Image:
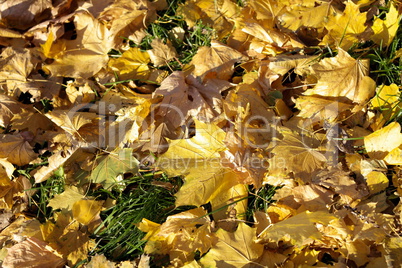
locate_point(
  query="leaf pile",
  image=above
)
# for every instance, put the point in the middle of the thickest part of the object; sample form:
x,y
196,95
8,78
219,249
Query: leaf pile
x,y
231,96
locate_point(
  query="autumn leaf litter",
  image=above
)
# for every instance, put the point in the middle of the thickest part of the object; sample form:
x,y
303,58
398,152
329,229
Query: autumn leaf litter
x,y
99,100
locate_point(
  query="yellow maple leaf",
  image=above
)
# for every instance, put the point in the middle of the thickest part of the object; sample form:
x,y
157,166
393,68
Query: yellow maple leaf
x,y
161,53
298,153
381,142
198,159
385,30
299,230
387,102
39,252
185,97
66,199
85,55
308,14
16,148
237,249
81,125
346,28
218,58
133,64
219,14
376,182
183,233
67,237
343,76
86,211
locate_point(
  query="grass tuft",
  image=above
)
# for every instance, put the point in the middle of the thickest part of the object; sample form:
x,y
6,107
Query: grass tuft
x,y
146,196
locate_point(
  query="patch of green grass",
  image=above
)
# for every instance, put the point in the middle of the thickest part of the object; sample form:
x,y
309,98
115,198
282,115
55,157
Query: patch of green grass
x,y
386,67
259,200
43,192
146,196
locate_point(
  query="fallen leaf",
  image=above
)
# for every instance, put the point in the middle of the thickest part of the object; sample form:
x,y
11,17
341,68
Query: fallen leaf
x,y
355,84
82,126
381,142
55,161
67,237
113,164
376,182
218,58
219,15
23,14
100,261
161,53
184,232
185,97
16,148
300,229
385,30
30,253
299,154
66,199
198,159
345,28
133,64
237,249
85,211
9,107
85,55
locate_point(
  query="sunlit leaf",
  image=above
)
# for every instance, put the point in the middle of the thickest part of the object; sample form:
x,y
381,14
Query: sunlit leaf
x,y
111,165
237,249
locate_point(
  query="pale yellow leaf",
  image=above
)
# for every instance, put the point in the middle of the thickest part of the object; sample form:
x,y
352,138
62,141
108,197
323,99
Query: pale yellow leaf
x,y
237,249
185,97
161,53
346,28
299,230
85,55
385,30
85,211
343,76
218,59
379,143
298,154
198,159
133,64
66,199
16,148
376,182
31,252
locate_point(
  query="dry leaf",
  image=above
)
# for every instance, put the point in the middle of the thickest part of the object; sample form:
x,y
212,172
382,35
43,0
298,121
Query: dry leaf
x,y
85,55
346,28
55,161
23,14
299,230
299,154
86,211
16,148
9,108
198,160
133,64
237,249
161,53
185,97
385,30
66,199
112,165
381,142
217,60
32,253
354,83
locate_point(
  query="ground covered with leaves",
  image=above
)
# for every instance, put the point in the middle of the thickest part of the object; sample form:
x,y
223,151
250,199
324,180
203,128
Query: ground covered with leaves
x,y
200,133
